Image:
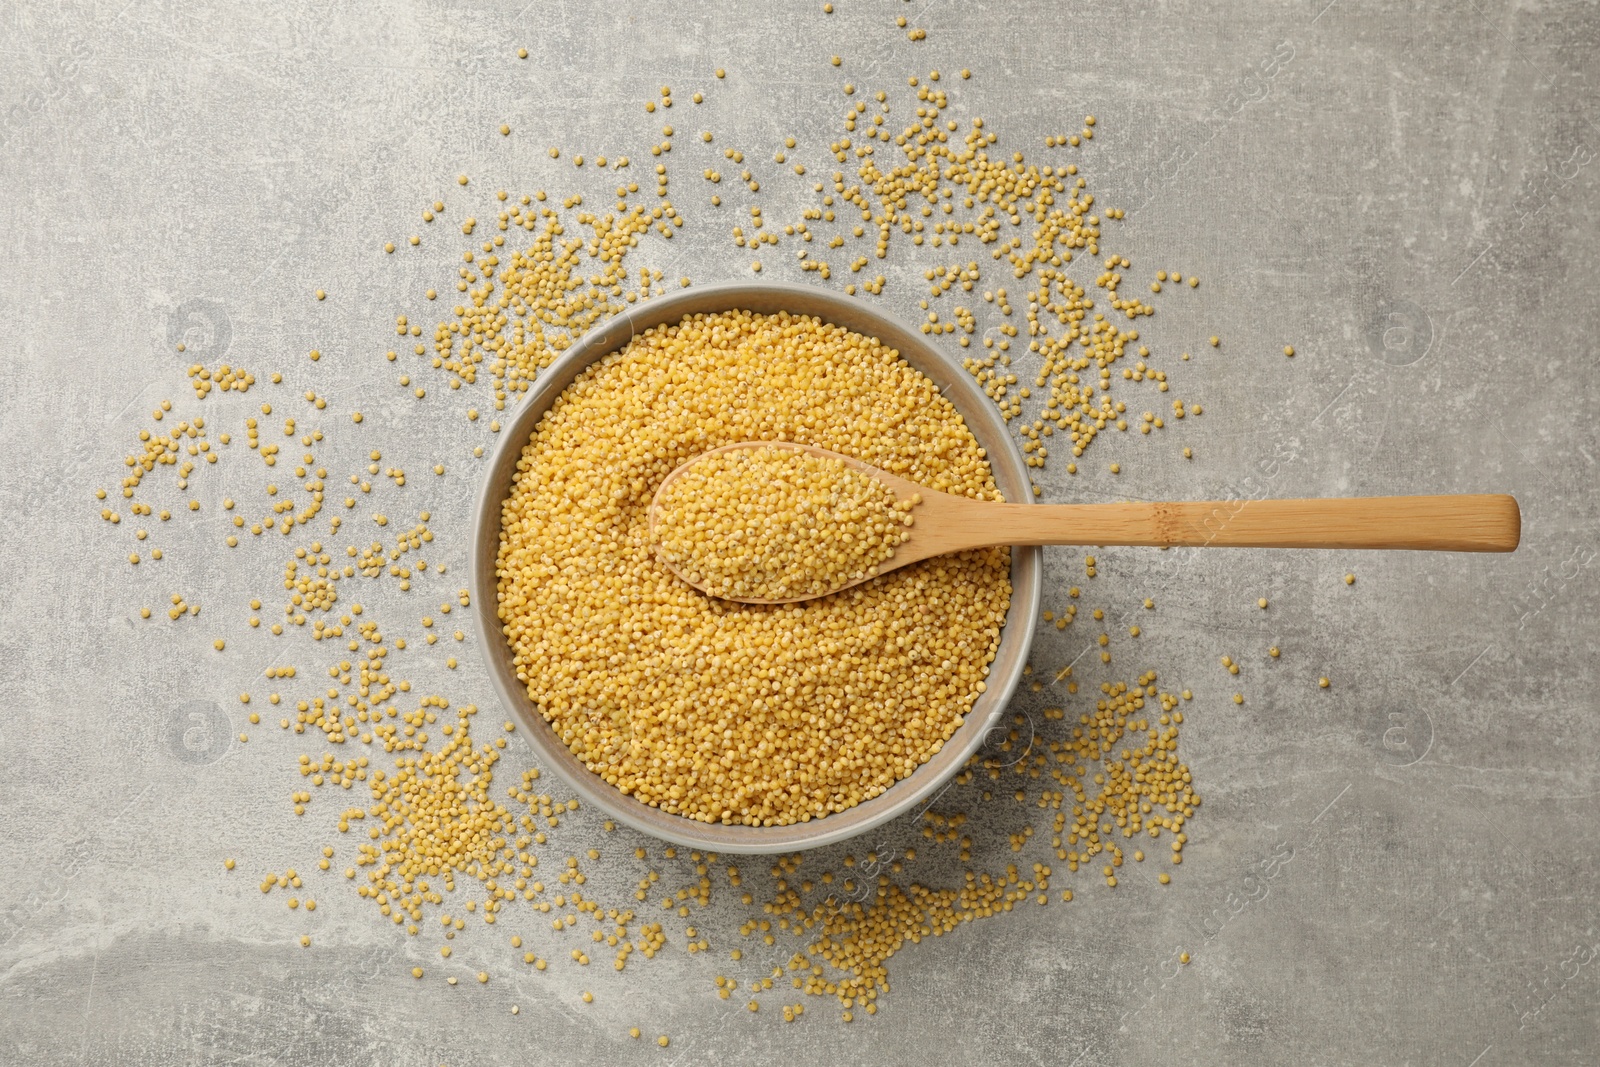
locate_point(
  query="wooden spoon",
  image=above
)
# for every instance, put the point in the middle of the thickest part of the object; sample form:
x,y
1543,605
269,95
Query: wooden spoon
x,y
944,522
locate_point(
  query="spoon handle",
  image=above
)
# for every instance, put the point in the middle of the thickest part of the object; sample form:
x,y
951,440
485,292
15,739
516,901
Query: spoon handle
x,y
1460,523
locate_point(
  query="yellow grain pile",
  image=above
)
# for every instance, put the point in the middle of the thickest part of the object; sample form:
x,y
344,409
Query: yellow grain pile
x,y
724,712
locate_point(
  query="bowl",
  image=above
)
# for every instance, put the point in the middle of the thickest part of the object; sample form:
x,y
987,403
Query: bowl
x,y
1010,475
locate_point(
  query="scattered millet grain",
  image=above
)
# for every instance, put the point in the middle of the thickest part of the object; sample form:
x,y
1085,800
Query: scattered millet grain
x,y
431,817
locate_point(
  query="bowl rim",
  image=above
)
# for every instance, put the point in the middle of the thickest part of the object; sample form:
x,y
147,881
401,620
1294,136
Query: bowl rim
x,y
920,788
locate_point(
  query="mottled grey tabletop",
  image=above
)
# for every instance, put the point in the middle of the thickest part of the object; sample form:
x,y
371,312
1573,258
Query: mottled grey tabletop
x,y
1398,868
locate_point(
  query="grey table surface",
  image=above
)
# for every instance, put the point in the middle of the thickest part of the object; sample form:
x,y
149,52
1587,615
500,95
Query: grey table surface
x,y
1403,193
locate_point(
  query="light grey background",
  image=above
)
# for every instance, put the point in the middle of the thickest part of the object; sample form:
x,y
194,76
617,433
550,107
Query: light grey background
x,y
1409,198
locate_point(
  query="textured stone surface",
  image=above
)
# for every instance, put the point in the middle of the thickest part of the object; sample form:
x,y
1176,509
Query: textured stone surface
x,y
1405,195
